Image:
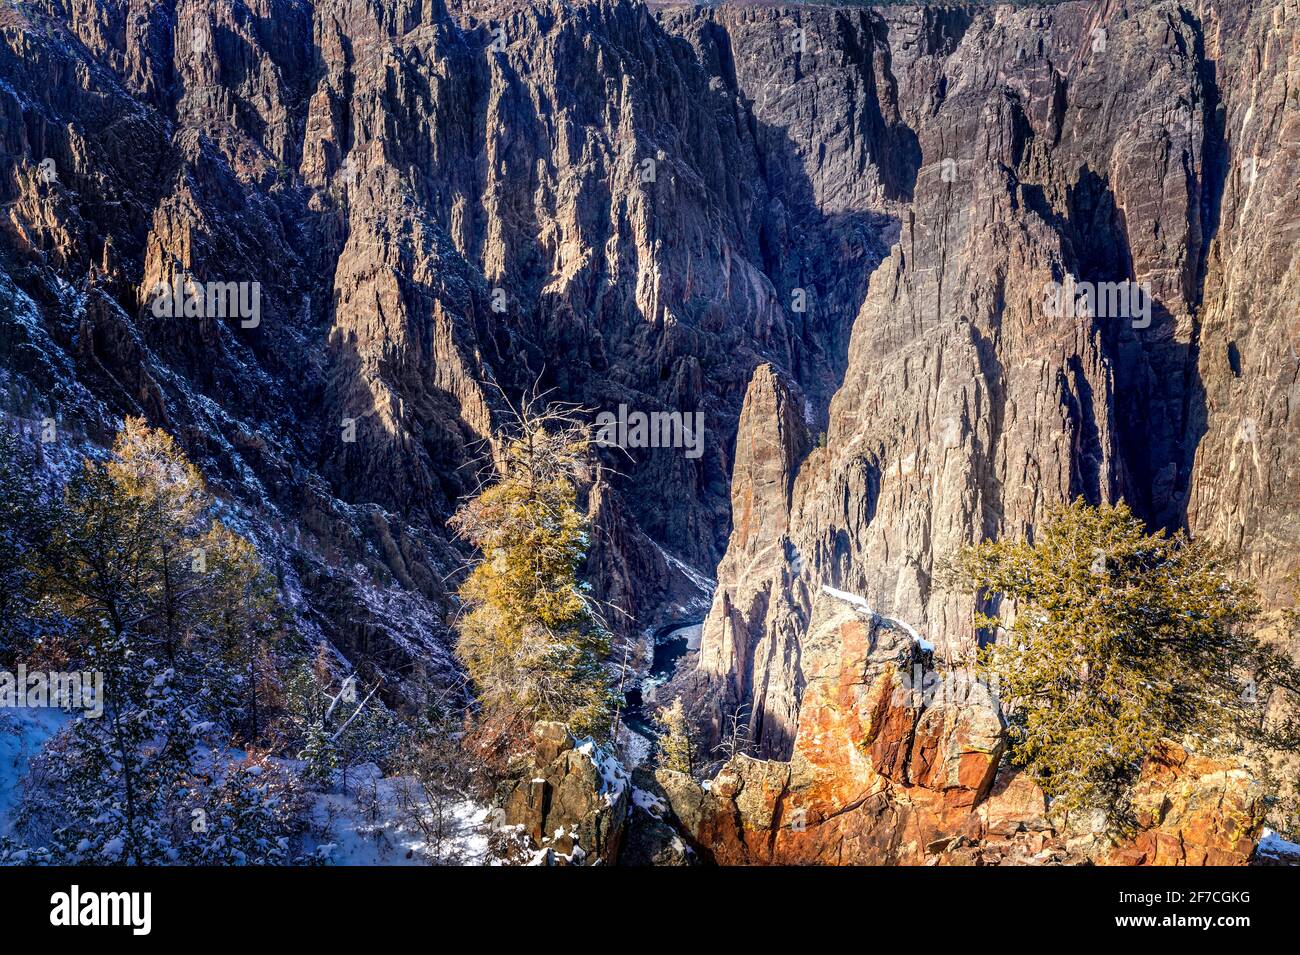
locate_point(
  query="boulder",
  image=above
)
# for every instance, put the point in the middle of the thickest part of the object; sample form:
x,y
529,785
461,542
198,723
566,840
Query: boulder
x,y
569,796
957,746
550,739
1015,804
1192,811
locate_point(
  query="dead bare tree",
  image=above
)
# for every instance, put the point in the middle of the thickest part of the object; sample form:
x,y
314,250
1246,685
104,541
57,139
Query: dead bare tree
x,y
736,735
435,777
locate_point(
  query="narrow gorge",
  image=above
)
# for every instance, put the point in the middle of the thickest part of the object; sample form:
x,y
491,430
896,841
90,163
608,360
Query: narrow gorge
x,y
830,230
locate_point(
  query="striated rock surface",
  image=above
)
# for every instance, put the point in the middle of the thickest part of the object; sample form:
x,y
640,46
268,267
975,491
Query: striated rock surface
x,y
1084,142
751,601
1245,487
429,215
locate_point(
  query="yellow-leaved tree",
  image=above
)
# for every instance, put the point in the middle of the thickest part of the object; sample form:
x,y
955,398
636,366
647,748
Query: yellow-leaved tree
x,y
530,635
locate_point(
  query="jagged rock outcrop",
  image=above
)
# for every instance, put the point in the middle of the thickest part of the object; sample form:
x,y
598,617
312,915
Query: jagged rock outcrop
x,y
772,439
895,764
1089,141
652,839
798,221
571,799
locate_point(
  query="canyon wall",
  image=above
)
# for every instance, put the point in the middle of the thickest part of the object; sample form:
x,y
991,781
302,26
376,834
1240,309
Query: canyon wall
x,y
828,229
1087,143
439,210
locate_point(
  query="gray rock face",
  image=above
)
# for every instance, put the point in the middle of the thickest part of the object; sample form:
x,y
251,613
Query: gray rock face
x,y
1245,489
654,831
1075,141
798,221
754,624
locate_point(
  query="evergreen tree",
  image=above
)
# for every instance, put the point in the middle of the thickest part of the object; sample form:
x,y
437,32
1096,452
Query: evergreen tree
x,y
676,748
334,722
530,636
158,598
319,755
115,783
1108,641
246,621
244,812
148,468
96,570
24,528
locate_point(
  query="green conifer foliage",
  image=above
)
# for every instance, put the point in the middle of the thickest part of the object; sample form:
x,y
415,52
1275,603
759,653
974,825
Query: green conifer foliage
x,y
530,636
676,749
1108,640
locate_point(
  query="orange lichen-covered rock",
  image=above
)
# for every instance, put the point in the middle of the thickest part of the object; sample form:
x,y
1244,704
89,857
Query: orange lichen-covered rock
x,y
957,746
897,765
1192,811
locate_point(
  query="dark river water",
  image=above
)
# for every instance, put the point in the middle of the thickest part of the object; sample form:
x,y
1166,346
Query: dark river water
x,y
670,645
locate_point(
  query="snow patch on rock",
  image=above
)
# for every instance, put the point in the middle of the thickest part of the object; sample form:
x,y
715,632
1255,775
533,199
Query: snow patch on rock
x,y
861,603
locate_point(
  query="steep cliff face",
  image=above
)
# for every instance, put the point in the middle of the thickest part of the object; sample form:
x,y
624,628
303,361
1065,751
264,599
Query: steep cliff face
x,y
1078,143
174,144
1246,478
424,213
428,215
827,229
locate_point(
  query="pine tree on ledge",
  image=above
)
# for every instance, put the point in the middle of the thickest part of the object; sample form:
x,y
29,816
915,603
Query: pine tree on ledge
x,y
1109,640
530,636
